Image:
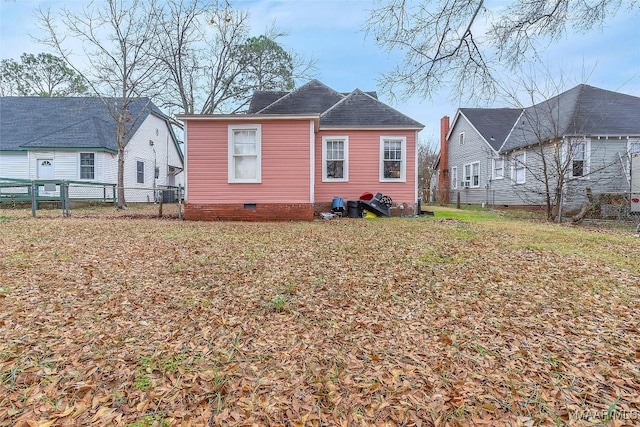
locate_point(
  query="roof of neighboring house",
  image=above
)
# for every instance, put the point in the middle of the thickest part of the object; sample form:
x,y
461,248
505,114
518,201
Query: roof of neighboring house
x,y
357,109
66,122
493,124
582,111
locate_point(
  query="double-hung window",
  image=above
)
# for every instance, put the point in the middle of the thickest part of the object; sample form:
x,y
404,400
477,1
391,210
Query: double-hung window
x,y
140,172
498,168
519,168
87,166
471,175
393,158
579,165
335,158
245,155
454,178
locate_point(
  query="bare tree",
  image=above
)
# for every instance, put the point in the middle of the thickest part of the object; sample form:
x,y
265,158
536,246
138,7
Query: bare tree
x,y
117,38
427,156
460,42
551,152
213,64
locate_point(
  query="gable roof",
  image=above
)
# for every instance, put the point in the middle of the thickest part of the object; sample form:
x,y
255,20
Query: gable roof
x,y
360,109
493,124
312,97
263,98
581,111
66,123
356,109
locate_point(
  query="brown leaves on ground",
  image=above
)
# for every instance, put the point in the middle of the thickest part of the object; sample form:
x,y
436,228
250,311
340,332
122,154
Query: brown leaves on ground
x,y
351,323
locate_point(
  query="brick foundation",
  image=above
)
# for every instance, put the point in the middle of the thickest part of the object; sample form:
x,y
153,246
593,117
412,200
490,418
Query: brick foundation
x,y
249,212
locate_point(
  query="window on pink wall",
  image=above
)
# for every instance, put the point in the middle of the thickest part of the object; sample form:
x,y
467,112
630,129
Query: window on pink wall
x,y
245,155
393,159
335,158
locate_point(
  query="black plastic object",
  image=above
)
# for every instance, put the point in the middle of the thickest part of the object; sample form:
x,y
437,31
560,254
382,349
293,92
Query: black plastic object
x,y
354,210
376,206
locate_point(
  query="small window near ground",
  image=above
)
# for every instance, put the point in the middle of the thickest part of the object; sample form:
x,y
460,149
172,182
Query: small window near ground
x,y
87,166
140,172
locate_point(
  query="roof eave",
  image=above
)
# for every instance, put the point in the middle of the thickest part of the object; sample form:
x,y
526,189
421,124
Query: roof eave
x,y
61,148
245,117
339,127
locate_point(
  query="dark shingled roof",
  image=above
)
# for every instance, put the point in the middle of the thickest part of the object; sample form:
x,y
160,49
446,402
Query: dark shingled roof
x,y
313,97
582,111
494,124
39,122
359,109
262,98
356,109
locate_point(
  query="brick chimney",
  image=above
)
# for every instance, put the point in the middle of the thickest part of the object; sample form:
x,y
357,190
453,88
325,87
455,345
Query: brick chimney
x,y
443,172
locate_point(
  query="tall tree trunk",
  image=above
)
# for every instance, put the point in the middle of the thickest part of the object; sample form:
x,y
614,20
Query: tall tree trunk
x,y
122,204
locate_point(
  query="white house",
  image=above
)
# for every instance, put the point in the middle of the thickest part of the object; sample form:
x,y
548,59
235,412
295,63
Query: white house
x,y
74,139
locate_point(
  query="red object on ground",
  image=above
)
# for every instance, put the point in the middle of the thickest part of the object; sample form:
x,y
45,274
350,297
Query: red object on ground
x,y
366,196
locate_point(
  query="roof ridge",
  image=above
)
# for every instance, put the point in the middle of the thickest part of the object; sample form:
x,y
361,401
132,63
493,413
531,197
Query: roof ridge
x,y
513,126
344,99
297,90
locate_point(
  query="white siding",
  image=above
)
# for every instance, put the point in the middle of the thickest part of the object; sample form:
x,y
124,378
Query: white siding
x,y
14,165
161,154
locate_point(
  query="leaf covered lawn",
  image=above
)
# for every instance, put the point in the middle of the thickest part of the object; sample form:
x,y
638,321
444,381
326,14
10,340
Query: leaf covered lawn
x,y
141,322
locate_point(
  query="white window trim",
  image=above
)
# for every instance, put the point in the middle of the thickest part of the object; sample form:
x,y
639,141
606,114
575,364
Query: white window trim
x,y
630,154
587,158
454,177
230,165
144,172
513,167
493,168
470,185
461,138
345,170
95,169
403,161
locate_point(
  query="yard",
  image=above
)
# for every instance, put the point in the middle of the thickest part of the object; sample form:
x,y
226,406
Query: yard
x,y
466,318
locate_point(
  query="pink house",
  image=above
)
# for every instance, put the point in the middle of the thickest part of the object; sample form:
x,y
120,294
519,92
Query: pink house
x,y
294,152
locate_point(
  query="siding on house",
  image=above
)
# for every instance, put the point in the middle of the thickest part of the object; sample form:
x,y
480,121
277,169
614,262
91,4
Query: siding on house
x,y
606,120
285,163
364,167
14,165
475,149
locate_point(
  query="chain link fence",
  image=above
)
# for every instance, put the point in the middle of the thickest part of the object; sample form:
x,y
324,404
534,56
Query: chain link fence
x,y
602,206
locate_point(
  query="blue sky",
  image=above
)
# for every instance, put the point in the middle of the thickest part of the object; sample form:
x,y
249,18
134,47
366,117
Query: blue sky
x,y
331,32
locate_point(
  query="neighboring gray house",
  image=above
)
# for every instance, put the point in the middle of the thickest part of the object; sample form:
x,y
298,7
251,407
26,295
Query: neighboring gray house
x,y
505,156
74,139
